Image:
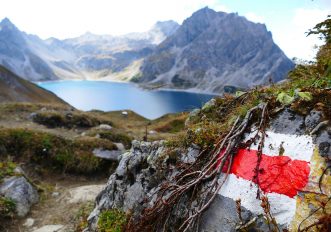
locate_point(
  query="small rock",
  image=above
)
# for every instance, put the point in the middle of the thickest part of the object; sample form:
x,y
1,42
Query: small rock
x,y
21,192
208,105
125,113
84,193
43,109
120,146
28,222
152,132
50,228
32,115
107,154
55,194
19,171
313,119
69,116
288,122
97,136
323,141
105,127
83,134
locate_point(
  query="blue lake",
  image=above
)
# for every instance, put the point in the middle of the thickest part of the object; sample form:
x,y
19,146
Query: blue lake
x,y
109,96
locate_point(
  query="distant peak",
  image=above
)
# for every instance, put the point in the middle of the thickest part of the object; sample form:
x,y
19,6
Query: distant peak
x,y
167,27
7,23
205,13
205,10
167,22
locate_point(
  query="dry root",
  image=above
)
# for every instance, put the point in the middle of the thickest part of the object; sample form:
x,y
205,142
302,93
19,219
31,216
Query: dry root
x,y
201,181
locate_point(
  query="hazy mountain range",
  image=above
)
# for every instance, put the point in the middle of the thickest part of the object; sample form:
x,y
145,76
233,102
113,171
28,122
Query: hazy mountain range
x,y
88,56
208,51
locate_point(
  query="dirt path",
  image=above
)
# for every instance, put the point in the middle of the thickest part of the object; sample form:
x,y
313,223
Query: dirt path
x,y
60,207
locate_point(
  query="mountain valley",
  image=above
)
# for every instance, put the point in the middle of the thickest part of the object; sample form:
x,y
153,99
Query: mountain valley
x,y
211,52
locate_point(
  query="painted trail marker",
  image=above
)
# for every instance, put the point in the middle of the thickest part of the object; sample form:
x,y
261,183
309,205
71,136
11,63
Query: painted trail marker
x,y
284,172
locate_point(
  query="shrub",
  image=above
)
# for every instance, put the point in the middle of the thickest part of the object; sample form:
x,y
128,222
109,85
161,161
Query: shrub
x,y
54,151
68,120
7,207
113,220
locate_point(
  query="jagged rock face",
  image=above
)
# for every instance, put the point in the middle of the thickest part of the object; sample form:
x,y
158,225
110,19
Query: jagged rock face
x,y
212,50
16,55
136,178
83,57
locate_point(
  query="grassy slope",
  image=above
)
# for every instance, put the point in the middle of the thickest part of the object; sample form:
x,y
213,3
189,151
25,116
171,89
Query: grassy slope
x,y
15,89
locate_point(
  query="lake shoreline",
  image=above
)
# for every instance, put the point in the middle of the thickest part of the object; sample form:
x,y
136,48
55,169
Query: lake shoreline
x,y
87,95
197,91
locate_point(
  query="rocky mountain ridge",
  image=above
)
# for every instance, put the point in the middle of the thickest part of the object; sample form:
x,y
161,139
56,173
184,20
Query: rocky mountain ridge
x,y
212,50
88,56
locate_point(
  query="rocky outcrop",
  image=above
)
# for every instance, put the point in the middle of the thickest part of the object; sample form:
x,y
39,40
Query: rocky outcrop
x,y
135,179
212,50
21,192
300,138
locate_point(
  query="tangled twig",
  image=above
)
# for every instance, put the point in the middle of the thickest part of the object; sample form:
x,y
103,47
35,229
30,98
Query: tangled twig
x,y
320,221
201,180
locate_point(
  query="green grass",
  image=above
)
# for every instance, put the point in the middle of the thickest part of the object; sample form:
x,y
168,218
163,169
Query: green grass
x,y
75,119
82,215
113,135
7,169
55,152
7,208
113,220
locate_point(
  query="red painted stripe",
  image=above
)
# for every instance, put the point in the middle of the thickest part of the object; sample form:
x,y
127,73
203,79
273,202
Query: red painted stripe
x,y
278,174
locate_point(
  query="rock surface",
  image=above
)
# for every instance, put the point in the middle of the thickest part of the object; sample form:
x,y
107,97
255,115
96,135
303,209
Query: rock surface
x,y
113,155
146,166
134,180
216,51
51,228
83,193
21,192
99,55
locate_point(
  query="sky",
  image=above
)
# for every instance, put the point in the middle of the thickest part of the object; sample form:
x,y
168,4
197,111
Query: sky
x,y
288,20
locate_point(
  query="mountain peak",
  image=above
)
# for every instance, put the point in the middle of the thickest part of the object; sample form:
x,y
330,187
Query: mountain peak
x,y
204,11
166,27
6,23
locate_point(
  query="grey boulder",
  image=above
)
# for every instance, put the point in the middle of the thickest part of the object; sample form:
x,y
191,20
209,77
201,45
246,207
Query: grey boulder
x,y
21,192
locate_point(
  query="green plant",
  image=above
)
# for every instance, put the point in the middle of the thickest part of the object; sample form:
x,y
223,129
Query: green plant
x,y
82,215
113,220
7,207
55,152
7,169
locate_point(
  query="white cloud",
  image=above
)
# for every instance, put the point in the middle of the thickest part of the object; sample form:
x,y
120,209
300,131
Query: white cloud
x,y
292,37
63,18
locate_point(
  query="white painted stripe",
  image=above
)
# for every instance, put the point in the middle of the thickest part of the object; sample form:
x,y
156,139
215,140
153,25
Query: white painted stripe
x,y
298,147
282,206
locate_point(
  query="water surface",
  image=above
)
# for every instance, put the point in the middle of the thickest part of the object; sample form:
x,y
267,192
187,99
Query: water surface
x,y
109,96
